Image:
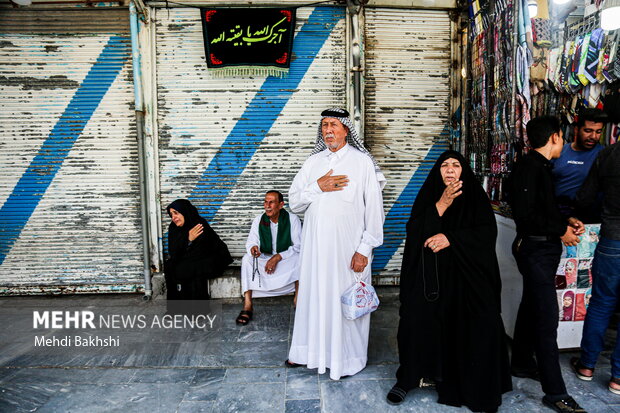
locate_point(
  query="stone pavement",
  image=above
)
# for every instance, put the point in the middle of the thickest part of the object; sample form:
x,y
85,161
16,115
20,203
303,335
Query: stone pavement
x,y
233,369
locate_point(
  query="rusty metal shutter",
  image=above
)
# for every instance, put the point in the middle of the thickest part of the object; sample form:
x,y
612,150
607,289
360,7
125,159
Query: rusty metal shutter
x,y
34,20
223,142
69,194
407,92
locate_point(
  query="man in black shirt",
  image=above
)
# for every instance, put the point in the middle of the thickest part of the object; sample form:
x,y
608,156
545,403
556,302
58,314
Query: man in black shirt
x,y
541,230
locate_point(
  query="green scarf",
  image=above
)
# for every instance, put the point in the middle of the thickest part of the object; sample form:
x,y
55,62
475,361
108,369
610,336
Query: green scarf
x,y
284,233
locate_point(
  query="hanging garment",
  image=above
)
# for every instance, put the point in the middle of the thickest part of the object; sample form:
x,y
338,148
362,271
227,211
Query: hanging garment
x,y
613,67
569,49
594,95
585,51
538,70
592,57
523,74
554,61
573,80
608,49
559,70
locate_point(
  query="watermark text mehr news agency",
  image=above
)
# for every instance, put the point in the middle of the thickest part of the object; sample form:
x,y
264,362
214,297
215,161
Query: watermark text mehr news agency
x,y
87,319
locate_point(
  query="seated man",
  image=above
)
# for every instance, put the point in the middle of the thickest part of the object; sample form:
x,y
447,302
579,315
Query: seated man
x,y
270,267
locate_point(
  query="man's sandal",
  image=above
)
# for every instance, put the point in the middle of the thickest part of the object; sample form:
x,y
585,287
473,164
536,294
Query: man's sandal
x,y
614,390
578,368
244,317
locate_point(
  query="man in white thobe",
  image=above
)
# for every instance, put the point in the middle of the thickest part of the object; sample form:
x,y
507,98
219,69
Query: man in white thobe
x,y
339,189
270,267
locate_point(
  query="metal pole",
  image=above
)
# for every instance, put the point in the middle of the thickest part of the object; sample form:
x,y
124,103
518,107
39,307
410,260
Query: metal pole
x,y
355,9
137,81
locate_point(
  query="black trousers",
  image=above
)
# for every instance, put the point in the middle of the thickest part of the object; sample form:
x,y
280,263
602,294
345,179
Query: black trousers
x,y
537,320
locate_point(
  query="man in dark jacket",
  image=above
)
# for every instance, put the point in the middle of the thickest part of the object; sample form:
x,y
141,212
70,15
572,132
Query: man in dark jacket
x,y
604,177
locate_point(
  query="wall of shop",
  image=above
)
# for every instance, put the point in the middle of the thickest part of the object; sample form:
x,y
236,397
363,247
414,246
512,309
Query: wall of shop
x,y
519,67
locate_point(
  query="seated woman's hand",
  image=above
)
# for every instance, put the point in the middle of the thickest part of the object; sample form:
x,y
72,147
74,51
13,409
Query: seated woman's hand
x,y
194,232
437,242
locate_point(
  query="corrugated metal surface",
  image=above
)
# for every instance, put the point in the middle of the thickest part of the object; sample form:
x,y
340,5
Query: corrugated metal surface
x,y
240,3
407,91
225,141
42,21
69,186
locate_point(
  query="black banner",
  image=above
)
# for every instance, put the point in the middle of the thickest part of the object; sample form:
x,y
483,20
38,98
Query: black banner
x,y
255,39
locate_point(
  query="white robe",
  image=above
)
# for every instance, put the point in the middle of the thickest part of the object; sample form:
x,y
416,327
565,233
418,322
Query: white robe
x,y
282,280
336,225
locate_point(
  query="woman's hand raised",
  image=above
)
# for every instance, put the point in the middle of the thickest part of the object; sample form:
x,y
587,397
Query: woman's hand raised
x,y
452,191
194,232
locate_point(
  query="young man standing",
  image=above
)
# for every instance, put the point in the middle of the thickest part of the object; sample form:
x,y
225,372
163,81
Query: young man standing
x,y
541,230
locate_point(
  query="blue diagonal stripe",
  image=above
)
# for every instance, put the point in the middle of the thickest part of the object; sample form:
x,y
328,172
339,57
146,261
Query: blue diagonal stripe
x,y
32,185
395,229
222,174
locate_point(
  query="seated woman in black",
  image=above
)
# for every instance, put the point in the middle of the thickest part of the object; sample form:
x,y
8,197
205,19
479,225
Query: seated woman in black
x,y
196,252
450,329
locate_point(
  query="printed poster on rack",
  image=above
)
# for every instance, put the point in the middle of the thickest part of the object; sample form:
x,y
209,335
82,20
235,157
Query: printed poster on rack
x,y
573,279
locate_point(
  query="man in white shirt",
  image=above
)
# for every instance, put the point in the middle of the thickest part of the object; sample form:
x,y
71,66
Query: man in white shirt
x,y
270,267
339,189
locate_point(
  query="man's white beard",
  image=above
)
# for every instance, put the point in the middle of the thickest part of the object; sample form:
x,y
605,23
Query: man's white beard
x,y
332,145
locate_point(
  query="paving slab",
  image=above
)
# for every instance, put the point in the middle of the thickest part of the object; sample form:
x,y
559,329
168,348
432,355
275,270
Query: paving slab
x,y
234,369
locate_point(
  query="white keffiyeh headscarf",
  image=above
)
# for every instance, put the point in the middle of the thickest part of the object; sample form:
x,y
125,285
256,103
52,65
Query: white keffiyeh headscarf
x,y
353,138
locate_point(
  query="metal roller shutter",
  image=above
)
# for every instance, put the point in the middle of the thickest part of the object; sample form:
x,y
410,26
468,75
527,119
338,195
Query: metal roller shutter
x,y
69,194
407,89
223,142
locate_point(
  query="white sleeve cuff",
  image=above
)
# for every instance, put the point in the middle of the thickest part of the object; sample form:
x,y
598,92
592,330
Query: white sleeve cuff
x,y
365,250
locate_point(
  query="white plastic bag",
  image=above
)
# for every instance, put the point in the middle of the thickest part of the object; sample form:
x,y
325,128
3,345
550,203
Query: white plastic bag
x,y
358,300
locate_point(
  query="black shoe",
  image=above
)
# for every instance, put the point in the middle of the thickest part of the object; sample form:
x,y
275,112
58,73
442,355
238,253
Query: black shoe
x,y
291,365
525,374
396,395
566,405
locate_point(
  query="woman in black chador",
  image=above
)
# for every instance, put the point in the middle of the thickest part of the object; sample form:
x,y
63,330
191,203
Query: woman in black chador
x,y
196,253
450,329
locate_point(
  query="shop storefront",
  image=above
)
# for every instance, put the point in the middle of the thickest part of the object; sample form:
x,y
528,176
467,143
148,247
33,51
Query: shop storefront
x,y
528,59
